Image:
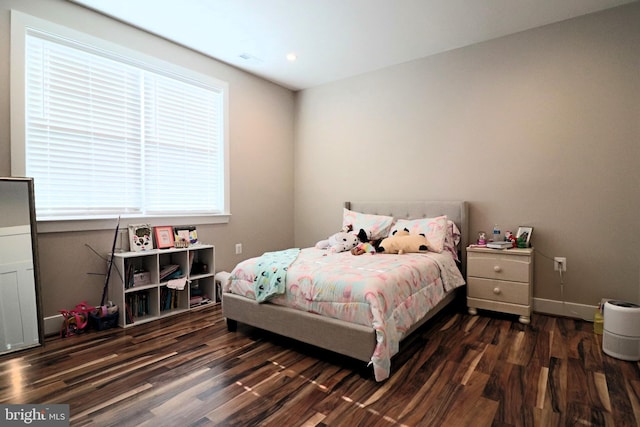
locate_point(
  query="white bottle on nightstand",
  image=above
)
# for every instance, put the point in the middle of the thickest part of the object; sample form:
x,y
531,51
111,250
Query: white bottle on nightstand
x,y
496,233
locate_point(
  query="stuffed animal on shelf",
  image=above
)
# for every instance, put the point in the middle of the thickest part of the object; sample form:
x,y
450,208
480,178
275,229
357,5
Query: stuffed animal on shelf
x,y
339,242
401,242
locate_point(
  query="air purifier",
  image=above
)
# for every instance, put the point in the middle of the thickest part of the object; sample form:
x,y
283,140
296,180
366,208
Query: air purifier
x,y
621,332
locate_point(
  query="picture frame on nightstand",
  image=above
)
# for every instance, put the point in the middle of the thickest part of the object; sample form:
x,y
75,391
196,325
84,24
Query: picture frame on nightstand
x,y
524,233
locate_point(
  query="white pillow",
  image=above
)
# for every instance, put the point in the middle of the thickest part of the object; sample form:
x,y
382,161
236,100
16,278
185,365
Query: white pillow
x,y
376,226
434,229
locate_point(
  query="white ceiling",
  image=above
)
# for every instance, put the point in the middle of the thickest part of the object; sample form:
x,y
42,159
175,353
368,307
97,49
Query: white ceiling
x,y
335,39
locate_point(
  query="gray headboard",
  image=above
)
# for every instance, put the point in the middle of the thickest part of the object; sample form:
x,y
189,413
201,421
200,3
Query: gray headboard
x,y
456,211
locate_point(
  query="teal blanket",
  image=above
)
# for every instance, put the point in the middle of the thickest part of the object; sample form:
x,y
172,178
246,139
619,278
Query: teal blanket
x,y
271,273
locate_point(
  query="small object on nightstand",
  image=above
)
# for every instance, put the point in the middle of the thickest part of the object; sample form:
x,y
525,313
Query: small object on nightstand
x,y
482,238
500,245
497,237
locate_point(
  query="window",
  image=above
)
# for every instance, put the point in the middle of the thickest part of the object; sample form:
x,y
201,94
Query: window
x,y
106,134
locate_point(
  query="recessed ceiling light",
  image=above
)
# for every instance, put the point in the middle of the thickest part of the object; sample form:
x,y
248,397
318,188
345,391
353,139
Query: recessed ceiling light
x,y
292,56
249,57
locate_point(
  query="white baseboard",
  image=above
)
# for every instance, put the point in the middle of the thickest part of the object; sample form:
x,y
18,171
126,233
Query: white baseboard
x,y
557,308
566,309
52,325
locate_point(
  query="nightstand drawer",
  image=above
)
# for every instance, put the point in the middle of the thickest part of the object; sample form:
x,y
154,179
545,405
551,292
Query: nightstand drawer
x,y
498,290
499,266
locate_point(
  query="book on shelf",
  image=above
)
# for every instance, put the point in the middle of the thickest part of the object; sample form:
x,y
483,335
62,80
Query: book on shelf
x,y
169,299
191,256
128,314
167,270
138,304
135,275
128,275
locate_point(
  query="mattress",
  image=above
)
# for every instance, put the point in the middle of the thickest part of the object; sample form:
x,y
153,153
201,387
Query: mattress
x,y
388,292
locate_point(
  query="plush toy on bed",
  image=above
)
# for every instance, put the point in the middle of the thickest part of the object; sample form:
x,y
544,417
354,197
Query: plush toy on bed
x,y
364,248
366,245
339,242
402,242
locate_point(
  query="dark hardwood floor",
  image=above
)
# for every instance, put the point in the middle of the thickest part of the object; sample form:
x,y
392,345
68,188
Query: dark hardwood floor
x,y
457,370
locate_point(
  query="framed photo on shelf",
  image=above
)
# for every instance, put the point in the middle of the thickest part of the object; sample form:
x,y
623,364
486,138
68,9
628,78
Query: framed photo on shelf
x,y
164,237
185,235
140,237
524,236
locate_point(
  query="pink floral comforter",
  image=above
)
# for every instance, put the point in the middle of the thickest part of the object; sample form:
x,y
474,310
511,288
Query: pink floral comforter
x,y
387,292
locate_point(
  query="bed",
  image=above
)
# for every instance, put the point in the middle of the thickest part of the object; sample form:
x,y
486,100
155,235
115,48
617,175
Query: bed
x,y
359,306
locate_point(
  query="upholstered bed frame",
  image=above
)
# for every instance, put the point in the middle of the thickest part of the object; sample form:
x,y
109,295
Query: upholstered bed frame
x,y
353,340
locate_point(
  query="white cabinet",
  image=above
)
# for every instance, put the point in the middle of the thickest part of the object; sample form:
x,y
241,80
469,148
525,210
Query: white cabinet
x,y
500,280
153,284
18,310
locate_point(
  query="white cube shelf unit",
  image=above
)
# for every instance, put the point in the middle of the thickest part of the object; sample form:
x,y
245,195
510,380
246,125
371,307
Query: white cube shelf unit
x,y
142,294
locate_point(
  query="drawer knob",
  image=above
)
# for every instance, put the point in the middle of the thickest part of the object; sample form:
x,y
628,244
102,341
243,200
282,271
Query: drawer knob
x,y
496,290
497,269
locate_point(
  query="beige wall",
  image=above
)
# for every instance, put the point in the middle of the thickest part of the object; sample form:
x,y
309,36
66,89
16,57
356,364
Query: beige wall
x,y
541,128
556,110
261,144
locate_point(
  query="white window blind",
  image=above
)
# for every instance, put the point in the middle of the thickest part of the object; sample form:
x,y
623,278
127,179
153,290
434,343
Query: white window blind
x,y
106,135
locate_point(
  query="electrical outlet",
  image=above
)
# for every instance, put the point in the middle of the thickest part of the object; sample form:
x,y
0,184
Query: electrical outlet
x,y
238,248
559,262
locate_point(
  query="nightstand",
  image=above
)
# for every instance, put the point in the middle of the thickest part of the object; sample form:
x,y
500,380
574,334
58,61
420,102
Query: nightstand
x,y
500,280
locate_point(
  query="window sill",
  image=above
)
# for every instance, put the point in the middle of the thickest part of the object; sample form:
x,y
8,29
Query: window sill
x,y
69,225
